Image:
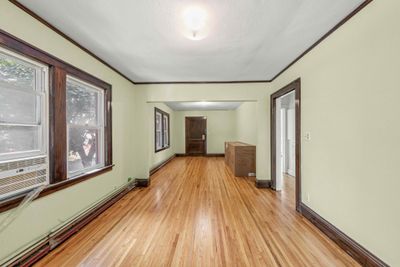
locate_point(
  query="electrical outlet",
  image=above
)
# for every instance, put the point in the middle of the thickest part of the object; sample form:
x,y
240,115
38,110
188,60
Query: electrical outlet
x,y
308,197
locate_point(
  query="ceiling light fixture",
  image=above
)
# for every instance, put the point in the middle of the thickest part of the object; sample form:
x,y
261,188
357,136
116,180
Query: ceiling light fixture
x,y
204,103
194,19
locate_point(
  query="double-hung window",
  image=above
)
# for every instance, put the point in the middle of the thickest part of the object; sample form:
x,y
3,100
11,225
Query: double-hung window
x,y
161,130
55,122
23,107
85,126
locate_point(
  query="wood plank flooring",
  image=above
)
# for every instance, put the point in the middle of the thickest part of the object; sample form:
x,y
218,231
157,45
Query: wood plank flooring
x,y
196,213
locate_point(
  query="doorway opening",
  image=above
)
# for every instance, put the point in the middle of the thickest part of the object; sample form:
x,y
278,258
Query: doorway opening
x,y
285,141
196,135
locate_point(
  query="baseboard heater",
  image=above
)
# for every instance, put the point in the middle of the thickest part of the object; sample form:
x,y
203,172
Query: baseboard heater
x,y
36,251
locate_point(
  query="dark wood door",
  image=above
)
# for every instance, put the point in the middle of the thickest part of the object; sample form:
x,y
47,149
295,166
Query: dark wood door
x,y
196,135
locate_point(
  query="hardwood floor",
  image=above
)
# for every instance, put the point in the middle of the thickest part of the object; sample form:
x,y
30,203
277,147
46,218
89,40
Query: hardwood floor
x,y
195,213
289,190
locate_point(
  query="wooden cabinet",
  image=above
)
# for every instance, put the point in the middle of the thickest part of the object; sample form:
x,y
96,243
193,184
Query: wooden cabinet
x,y
241,158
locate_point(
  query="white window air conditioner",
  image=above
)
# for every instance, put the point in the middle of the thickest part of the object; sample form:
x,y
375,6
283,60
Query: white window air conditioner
x,y
19,176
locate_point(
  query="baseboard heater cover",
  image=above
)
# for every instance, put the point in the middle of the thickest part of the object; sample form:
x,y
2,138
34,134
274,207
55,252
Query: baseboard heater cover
x,y
161,165
35,252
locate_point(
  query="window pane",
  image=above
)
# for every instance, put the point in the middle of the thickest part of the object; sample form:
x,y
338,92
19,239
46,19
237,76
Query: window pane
x,y
83,148
165,127
82,104
18,106
158,131
158,121
165,139
158,140
16,73
18,139
85,121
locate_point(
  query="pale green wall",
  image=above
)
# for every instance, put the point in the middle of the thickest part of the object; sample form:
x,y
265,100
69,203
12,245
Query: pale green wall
x,y
51,211
221,127
350,105
246,126
159,157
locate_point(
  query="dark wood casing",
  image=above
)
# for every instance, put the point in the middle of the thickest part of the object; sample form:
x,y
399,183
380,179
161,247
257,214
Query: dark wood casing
x,y
296,87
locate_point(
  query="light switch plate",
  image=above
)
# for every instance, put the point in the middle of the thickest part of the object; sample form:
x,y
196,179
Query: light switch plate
x,y
308,136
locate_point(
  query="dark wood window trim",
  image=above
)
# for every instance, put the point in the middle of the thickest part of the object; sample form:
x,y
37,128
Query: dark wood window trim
x,y
57,117
57,124
163,114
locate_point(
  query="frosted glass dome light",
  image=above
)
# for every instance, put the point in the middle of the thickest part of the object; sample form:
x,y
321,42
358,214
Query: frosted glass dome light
x,y
194,19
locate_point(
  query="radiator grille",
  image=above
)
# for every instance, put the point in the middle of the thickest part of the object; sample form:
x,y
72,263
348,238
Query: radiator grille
x,y
21,164
22,175
22,181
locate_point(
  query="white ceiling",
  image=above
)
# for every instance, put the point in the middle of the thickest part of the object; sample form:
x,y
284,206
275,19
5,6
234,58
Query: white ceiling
x,y
203,105
246,39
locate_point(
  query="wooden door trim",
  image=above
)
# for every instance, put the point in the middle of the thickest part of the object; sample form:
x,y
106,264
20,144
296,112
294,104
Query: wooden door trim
x,y
186,135
296,87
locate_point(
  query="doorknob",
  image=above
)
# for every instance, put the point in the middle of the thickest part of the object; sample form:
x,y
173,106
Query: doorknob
x,y
203,137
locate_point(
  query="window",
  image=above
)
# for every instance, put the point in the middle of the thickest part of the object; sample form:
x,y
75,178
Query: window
x,y
161,130
23,102
85,130
165,130
55,122
158,129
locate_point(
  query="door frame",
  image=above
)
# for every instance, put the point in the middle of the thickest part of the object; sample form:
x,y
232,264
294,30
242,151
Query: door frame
x,y
186,136
296,87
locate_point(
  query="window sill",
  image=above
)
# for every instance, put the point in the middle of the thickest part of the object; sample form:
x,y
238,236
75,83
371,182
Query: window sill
x,y
161,149
12,202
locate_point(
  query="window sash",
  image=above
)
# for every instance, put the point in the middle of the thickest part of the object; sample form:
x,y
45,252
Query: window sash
x,y
99,126
100,116
161,130
165,130
25,153
39,102
25,62
39,89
